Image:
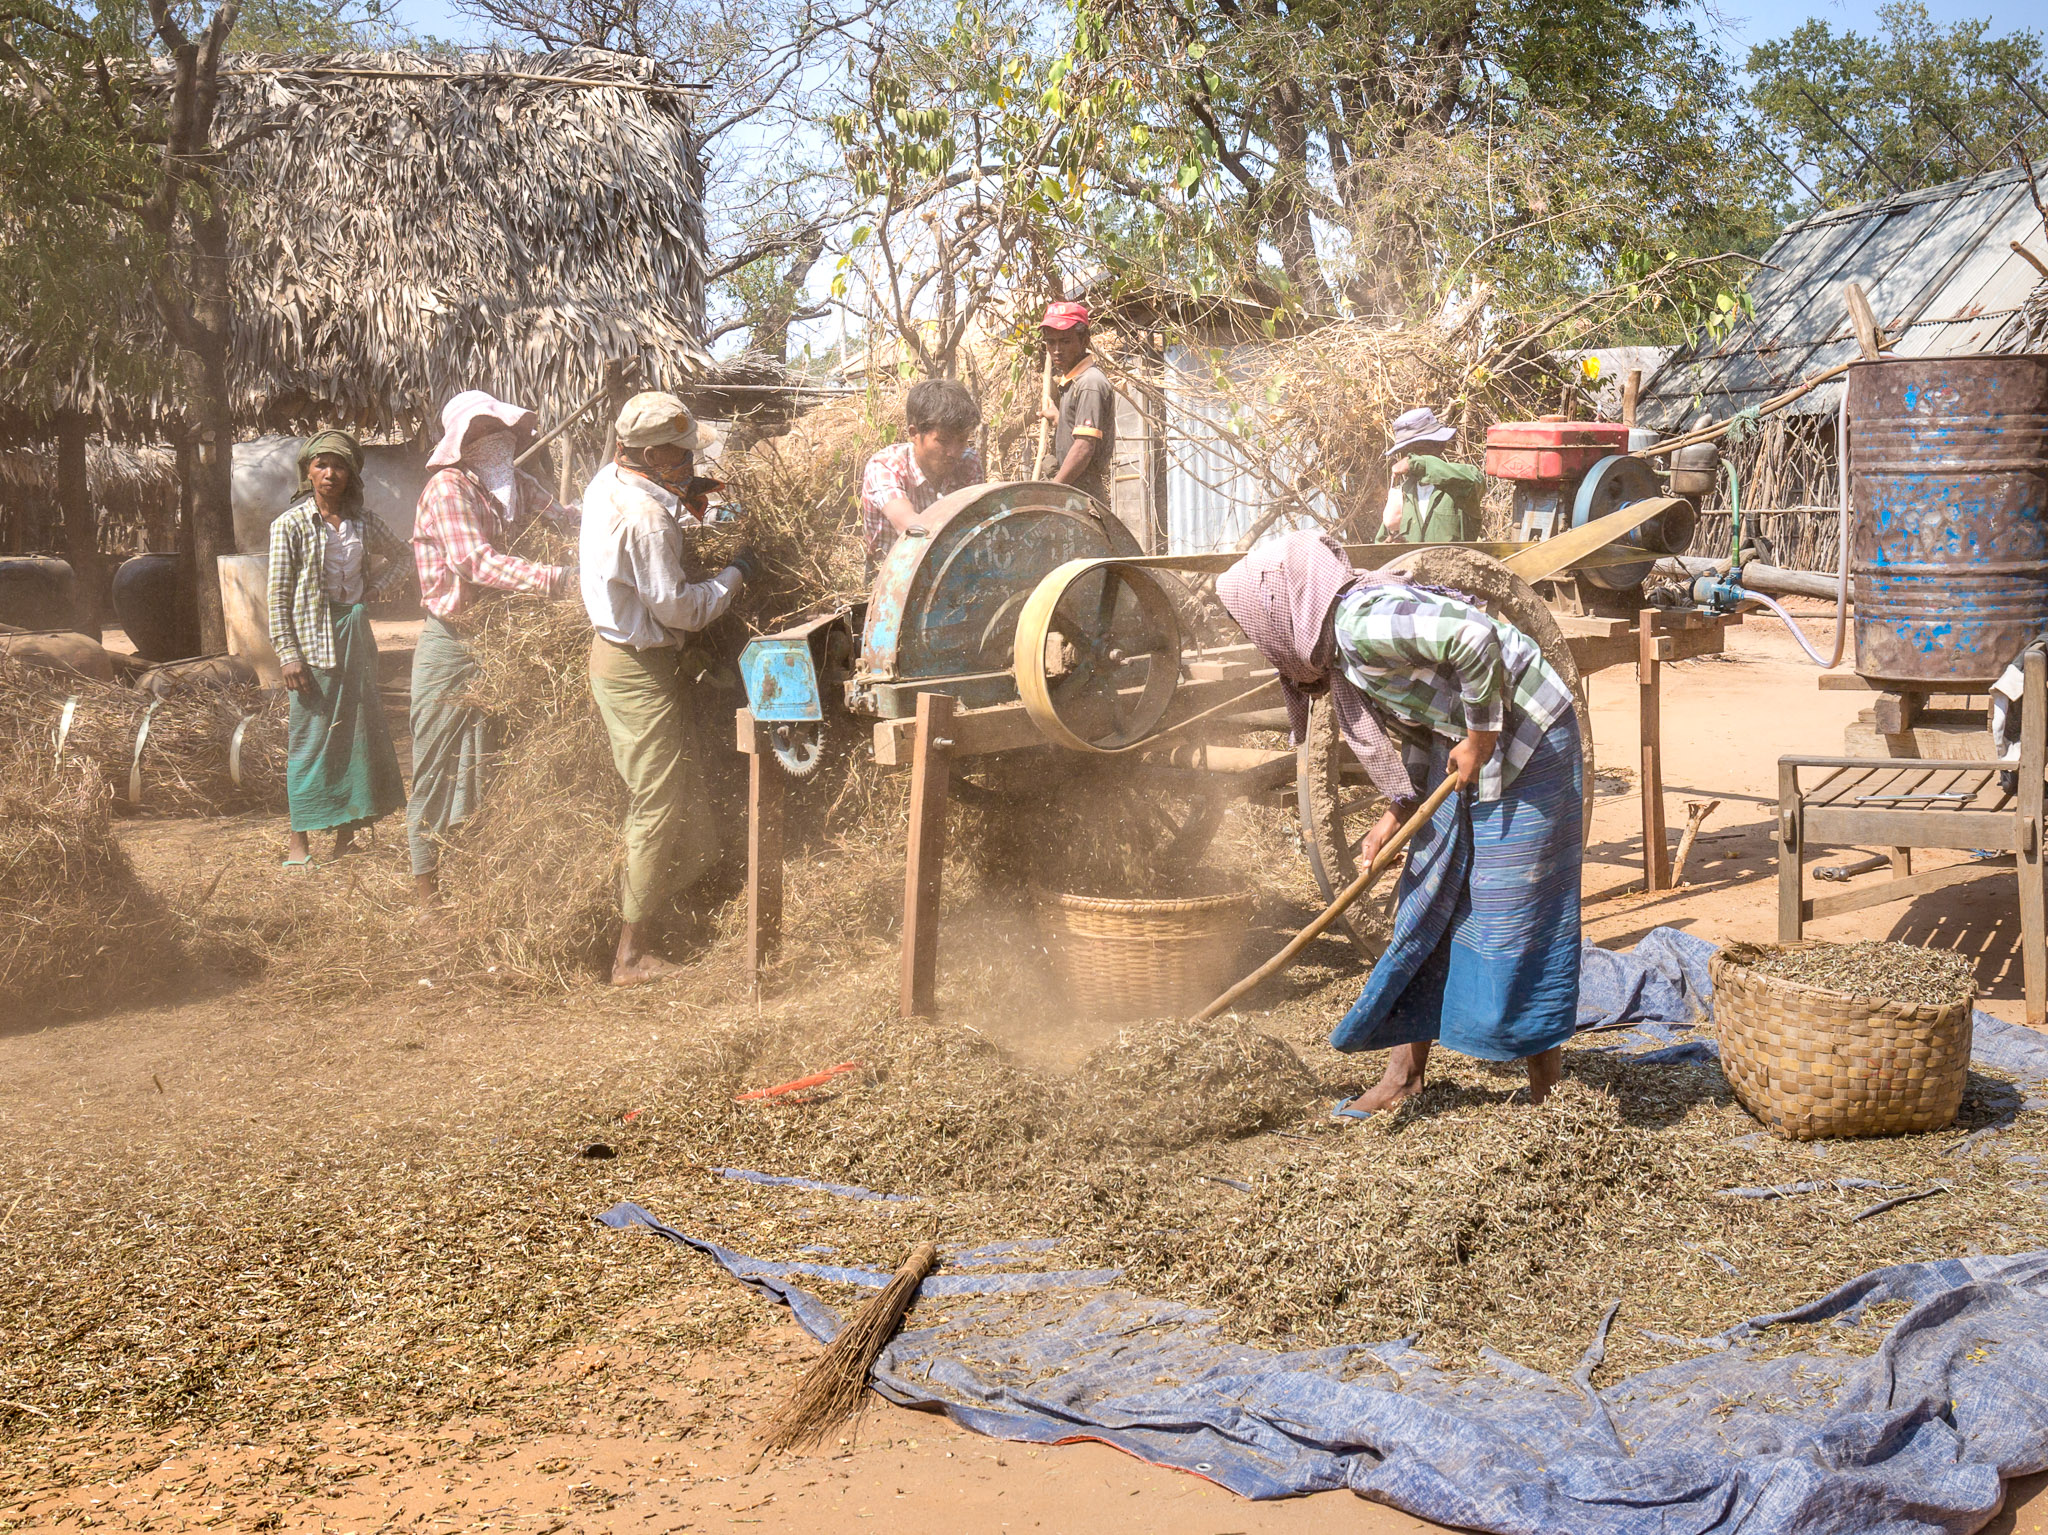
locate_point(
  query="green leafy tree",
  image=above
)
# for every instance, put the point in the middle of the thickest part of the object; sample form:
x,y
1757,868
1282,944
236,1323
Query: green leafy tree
x,y
1854,117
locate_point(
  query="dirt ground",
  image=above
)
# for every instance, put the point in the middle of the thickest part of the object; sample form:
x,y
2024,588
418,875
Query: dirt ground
x,y
643,1419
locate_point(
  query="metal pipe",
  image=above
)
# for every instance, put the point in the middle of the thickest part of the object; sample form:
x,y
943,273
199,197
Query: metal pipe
x,y
1774,579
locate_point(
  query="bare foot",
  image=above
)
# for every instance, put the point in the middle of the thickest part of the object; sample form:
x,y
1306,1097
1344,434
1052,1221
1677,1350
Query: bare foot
x,y
648,967
344,842
1545,1071
1407,1066
1385,1093
426,888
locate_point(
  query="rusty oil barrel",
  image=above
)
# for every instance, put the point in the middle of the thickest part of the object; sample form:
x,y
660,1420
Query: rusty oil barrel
x,y
1948,526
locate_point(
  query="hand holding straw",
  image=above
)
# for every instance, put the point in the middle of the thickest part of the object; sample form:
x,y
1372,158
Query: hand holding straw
x,y
1336,908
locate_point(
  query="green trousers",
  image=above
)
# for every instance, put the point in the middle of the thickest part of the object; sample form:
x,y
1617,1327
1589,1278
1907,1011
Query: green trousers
x,y
670,835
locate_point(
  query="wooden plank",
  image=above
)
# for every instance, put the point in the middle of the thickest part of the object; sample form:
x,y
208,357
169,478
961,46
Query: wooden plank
x,y
2027,835
1951,735
1575,626
1932,697
930,774
743,728
1874,826
1894,713
1791,852
1901,888
1649,716
1846,784
766,786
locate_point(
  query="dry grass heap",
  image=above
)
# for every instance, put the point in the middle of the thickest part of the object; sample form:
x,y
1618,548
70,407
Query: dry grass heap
x,y
185,762
75,925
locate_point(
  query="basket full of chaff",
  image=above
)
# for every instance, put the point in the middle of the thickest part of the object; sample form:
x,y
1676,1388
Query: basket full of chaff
x,y
1840,1039
1119,959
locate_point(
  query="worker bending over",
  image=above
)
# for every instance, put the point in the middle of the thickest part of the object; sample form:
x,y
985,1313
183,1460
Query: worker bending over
x,y
1431,500
643,607
905,478
470,512
1083,412
1485,949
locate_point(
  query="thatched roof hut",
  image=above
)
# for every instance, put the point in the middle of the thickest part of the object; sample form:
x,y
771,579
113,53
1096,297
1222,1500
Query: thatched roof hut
x,y
422,224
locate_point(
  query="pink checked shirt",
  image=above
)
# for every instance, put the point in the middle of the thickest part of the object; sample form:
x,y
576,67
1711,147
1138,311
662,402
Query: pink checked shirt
x,y
891,473
455,540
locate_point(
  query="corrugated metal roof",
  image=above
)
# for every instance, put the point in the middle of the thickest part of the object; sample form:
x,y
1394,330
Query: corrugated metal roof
x,y
1937,264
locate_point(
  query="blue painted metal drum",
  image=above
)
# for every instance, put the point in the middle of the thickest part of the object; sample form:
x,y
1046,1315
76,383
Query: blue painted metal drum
x,y
1948,534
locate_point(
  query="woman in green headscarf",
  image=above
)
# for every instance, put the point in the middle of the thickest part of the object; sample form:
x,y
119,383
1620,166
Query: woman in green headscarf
x,y
326,559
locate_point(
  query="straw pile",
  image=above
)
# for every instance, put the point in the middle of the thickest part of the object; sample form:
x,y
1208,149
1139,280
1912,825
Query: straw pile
x,y
185,758
75,925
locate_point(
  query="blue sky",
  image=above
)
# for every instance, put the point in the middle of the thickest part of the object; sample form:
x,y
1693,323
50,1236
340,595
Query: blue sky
x,y
1751,23
1747,22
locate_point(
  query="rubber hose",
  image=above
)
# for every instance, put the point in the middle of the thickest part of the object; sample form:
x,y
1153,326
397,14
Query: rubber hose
x,y
1797,633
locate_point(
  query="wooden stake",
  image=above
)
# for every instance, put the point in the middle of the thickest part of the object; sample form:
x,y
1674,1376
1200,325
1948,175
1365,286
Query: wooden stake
x,y
1631,388
1045,404
1656,856
1696,813
930,781
765,789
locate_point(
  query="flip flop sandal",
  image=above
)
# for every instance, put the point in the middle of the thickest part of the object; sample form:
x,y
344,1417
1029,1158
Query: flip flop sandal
x,y
297,863
1342,1110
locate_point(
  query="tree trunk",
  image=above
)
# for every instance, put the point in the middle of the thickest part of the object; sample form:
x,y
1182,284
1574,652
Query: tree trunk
x,y
213,500
81,526
188,565
1293,232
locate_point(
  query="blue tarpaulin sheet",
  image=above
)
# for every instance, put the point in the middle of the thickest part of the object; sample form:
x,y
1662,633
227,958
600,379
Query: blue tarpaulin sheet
x,y
1916,1438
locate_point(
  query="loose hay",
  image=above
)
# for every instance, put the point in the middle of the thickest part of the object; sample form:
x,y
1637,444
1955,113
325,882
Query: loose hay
x,y
76,927
185,763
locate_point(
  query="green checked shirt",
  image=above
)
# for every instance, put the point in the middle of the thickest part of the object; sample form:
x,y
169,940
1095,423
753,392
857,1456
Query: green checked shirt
x,y
301,619
1434,666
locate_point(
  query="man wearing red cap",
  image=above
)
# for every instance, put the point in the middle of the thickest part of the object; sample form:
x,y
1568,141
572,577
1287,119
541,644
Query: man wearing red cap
x,y
1084,413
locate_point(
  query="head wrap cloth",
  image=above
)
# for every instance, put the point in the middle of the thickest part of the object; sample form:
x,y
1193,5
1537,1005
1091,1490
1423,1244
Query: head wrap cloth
x,y
343,446
1281,594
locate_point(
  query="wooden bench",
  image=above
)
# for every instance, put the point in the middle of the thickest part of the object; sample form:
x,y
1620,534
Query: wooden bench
x,y
1906,802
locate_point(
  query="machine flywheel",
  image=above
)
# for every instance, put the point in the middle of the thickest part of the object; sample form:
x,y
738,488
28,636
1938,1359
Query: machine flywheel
x,y
1097,655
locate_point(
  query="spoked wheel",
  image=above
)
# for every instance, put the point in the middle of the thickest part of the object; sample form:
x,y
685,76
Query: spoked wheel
x,y
1097,655
1339,805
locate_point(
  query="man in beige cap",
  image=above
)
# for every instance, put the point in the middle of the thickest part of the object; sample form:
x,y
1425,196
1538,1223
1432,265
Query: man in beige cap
x,y
644,607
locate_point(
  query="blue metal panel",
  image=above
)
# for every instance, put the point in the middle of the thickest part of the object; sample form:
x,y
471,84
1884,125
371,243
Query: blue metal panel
x,y
781,681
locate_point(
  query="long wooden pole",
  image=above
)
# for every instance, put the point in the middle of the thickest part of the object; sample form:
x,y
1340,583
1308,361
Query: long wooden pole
x,y
1044,421
1336,908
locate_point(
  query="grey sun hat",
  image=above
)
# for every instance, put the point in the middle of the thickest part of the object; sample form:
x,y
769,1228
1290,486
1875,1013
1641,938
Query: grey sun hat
x,y
651,419
1418,425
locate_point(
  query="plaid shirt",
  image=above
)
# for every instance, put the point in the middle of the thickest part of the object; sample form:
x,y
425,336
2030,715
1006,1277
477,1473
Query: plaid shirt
x,y
456,539
301,618
894,472
1441,667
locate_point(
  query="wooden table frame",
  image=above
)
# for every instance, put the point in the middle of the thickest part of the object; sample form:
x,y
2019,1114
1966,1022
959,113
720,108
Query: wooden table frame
x,y
1839,812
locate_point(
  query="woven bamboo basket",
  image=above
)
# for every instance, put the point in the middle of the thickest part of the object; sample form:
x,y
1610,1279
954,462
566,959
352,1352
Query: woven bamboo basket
x,y
1813,1063
1144,959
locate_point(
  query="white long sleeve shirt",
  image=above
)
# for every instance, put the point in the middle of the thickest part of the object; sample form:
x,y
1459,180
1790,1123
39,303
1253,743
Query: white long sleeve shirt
x,y
634,587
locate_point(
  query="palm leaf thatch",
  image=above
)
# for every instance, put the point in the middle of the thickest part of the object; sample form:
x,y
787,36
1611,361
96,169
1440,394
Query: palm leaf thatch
x,y
408,225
